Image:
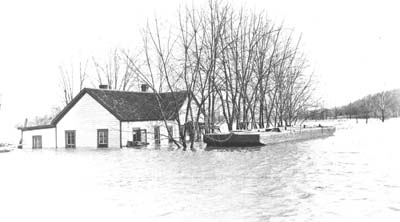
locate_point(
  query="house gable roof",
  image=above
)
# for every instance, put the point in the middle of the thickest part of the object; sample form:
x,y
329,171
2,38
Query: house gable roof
x,y
132,106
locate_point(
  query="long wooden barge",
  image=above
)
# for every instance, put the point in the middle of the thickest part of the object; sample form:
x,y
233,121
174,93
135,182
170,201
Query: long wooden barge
x,y
259,138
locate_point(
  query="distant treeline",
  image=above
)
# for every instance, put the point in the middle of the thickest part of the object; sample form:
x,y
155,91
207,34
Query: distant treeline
x,y
380,105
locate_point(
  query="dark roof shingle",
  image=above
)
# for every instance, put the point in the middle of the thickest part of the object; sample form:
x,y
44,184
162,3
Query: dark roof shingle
x,y
133,106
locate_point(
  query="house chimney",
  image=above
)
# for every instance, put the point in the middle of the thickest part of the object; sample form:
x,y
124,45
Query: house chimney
x,y
144,87
103,86
26,122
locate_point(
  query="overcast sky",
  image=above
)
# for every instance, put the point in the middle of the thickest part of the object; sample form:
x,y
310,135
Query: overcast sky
x,y
352,46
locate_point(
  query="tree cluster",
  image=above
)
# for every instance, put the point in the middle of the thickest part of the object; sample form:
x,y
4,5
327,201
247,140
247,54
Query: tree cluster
x,y
380,105
113,71
237,67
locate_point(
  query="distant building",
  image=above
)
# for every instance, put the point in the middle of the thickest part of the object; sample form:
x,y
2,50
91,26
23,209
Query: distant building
x,y
100,118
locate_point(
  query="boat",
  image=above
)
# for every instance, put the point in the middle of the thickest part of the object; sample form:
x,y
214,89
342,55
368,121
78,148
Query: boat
x,y
6,149
266,136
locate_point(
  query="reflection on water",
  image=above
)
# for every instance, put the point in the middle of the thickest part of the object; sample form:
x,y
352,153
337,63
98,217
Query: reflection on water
x,y
352,176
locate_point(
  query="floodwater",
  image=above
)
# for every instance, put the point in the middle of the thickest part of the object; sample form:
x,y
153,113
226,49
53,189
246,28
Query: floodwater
x,y
352,176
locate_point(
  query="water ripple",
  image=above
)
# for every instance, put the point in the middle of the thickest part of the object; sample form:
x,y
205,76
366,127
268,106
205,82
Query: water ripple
x,y
350,175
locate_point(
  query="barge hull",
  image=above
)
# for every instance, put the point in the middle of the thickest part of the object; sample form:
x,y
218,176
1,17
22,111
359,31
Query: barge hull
x,y
290,136
232,140
244,139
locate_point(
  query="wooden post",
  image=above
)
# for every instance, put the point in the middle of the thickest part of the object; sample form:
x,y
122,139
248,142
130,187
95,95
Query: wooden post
x,y
56,135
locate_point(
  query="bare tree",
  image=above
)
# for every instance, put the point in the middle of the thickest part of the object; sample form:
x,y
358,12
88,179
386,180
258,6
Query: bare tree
x,y
234,62
159,72
114,71
382,102
72,80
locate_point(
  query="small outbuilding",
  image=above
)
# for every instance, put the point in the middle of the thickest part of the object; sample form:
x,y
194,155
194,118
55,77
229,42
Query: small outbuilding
x,y
102,118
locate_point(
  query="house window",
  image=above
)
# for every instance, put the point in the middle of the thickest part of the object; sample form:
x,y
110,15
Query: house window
x,y
102,138
36,142
157,134
170,133
70,137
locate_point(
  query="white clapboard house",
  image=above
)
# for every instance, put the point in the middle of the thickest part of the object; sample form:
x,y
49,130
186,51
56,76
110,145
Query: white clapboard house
x,y
100,118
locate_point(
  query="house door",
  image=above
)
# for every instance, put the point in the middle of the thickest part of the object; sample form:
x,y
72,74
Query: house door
x,y
170,133
102,138
137,135
157,134
36,142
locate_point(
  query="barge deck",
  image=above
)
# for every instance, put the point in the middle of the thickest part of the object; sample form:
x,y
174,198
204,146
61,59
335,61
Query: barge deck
x,y
255,138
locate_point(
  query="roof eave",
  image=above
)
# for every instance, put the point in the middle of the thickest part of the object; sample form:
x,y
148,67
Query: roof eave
x,y
36,127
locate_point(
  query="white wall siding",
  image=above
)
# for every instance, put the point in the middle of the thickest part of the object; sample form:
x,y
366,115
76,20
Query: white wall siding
x,y
48,138
86,117
127,131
